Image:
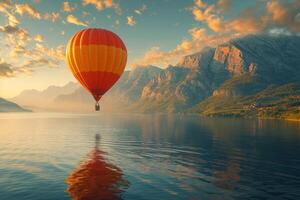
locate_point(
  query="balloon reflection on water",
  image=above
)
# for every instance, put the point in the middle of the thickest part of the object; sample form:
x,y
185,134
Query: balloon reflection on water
x,y
96,179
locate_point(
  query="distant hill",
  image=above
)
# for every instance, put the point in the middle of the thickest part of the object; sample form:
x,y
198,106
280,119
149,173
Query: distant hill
x,y
8,106
249,76
37,100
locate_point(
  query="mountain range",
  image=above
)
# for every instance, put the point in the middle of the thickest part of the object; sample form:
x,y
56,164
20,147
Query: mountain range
x,y
250,76
43,100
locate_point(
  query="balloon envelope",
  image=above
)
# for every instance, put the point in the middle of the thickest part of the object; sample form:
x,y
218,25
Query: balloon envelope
x,y
97,59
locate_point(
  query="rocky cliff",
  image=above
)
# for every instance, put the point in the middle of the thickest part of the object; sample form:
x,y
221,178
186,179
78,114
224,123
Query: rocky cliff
x,y
238,68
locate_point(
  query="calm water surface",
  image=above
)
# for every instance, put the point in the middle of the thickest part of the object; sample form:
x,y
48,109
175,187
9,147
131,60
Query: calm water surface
x,y
90,156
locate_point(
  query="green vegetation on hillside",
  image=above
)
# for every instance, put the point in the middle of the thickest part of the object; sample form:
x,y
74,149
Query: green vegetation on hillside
x,y
272,102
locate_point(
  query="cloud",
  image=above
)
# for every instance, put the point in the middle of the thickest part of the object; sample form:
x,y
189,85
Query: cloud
x,y
73,20
131,21
141,10
103,4
29,10
200,4
9,29
154,56
30,52
5,69
4,5
284,14
273,16
38,63
279,13
247,23
39,38
57,53
197,33
12,20
15,35
224,5
53,16
19,50
67,7
85,14
209,15
38,57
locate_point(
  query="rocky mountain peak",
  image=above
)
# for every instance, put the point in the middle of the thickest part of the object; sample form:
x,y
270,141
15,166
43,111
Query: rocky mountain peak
x,y
196,60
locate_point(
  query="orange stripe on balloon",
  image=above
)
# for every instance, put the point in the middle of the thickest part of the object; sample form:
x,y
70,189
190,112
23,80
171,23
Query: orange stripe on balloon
x,y
72,65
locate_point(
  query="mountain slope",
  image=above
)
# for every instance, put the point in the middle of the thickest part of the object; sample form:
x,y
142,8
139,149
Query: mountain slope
x,y
272,102
240,67
8,106
264,67
119,98
43,99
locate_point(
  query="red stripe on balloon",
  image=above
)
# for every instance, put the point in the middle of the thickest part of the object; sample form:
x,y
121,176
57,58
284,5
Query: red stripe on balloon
x,y
99,37
92,81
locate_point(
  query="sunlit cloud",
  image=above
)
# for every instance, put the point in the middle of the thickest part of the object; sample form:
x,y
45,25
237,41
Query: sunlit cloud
x,y
19,50
85,14
38,57
208,14
15,35
67,7
103,4
26,54
131,21
39,38
224,5
5,69
141,10
197,33
53,16
285,14
29,10
200,4
73,20
4,5
9,29
280,17
57,53
12,20
38,63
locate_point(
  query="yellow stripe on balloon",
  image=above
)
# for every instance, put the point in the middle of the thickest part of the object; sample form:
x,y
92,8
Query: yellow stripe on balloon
x,y
72,65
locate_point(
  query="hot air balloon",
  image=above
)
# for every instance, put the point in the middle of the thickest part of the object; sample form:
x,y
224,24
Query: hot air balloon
x,y
97,59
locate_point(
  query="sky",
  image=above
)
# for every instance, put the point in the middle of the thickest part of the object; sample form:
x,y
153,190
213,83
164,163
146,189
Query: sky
x,y
34,33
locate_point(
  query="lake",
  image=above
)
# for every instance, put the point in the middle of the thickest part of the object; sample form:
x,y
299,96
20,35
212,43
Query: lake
x,y
100,156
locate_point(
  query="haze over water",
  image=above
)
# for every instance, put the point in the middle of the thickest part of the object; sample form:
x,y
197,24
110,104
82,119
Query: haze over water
x,y
56,156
